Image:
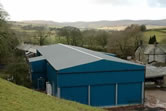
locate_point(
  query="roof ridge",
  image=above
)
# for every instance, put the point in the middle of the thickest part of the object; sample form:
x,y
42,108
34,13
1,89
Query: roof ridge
x,y
162,49
80,51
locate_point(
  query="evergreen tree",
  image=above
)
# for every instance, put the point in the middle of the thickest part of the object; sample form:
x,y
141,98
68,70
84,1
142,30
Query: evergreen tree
x,y
154,39
150,40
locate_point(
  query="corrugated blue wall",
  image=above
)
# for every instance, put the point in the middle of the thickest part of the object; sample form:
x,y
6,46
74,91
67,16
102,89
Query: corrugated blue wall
x,y
52,78
105,94
78,94
102,95
38,71
101,76
103,87
102,65
38,66
129,93
42,68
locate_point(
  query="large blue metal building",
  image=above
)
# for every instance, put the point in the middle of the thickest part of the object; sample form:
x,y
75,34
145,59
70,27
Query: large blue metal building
x,y
86,76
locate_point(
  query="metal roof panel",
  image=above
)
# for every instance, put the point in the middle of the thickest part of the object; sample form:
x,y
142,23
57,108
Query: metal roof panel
x,y
62,56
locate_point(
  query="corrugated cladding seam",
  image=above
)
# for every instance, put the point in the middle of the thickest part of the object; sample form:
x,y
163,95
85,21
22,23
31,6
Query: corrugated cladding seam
x,y
102,71
144,83
81,51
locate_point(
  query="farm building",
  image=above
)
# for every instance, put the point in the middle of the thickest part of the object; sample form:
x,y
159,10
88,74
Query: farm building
x,y
151,53
86,76
29,49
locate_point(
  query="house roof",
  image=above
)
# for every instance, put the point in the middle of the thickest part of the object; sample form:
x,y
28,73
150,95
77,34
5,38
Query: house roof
x,y
62,56
152,49
28,47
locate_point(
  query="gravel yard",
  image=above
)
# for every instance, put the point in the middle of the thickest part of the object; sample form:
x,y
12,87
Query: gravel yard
x,y
155,98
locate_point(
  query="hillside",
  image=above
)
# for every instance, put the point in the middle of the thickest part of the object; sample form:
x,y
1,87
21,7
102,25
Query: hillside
x,y
160,35
97,24
18,98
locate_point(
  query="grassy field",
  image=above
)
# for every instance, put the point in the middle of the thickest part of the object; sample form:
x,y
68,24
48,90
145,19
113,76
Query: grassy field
x,y
159,31
160,35
18,98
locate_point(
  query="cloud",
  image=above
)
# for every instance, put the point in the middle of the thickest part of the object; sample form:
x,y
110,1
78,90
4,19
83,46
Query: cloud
x,y
157,3
85,10
114,2
126,3
119,2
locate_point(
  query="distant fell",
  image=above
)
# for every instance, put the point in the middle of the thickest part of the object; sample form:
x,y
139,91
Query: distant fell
x,y
98,24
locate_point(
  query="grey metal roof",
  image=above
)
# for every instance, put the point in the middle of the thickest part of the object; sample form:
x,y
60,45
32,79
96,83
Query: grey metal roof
x,y
62,56
152,71
104,56
28,47
33,59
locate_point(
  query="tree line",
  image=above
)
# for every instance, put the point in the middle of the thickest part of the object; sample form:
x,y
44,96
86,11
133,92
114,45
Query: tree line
x,y
123,43
12,61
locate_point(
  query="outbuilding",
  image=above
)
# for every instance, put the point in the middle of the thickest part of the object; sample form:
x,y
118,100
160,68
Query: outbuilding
x,y
86,76
151,53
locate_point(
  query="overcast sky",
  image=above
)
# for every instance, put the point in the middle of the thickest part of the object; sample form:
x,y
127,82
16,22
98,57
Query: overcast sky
x,y
84,10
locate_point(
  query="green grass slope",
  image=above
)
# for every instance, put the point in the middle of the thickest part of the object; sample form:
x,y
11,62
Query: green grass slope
x,y
18,98
160,35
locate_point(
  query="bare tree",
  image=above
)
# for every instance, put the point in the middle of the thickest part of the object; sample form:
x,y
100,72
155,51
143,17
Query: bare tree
x,y
72,34
101,38
124,43
41,34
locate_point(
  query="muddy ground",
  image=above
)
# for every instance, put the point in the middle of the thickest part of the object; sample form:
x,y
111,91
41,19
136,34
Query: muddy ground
x,y
155,97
